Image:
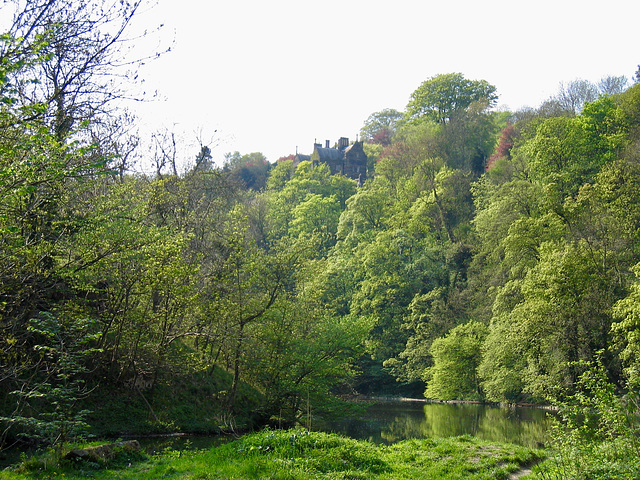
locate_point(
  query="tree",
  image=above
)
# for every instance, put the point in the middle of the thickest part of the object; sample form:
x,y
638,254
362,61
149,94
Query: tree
x,y
613,85
249,281
502,150
297,375
381,126
307,181
561,155
626,331
366,212
134,276
563,318
573,96
430,315
468,139
456,358
280,174
83,59
316,214
250,170
439,97
48,407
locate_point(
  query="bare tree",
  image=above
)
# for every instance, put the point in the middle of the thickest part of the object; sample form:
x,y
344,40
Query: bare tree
x,y
117,141
82,52
613,85
574,95
164,151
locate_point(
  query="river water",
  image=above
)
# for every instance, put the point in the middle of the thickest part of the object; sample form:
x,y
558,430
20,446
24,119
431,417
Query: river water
x,y
387,422
390,422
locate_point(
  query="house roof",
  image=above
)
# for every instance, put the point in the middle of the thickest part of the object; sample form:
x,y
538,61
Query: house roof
x,y
301,158
329,154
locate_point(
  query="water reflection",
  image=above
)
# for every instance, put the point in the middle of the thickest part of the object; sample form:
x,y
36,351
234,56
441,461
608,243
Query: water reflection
x,y
391,422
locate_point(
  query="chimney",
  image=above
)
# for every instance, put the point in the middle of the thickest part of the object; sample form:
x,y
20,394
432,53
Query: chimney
x,y
326,143
343,143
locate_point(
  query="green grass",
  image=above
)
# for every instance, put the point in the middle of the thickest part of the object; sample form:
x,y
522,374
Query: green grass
x,y
299,454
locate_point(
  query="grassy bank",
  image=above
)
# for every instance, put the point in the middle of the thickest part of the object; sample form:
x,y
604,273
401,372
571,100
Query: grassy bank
x,y
299,454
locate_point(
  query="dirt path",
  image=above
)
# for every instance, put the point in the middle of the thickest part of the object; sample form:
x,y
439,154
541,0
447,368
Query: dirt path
x,y
520,473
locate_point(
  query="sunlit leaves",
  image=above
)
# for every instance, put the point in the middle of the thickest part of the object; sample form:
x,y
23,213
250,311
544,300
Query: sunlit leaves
x,y
626,330
439,97
456,358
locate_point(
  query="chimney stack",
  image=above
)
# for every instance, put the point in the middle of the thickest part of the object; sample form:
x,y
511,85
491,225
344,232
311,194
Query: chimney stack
x,y
326,143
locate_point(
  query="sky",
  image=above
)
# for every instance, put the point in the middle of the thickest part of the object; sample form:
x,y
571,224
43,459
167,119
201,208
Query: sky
x,y
275,76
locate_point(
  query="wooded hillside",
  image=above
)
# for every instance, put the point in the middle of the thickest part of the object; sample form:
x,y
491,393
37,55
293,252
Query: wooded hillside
x,y
490,255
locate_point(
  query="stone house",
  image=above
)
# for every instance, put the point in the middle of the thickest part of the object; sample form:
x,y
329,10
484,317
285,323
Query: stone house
x,y
344,158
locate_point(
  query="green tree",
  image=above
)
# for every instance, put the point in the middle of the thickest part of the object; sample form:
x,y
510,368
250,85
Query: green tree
x,y
366,212
380,127
626,331
316,214
429,316
297,375
250,281
597,435
563,318
280,174
503,361
468,139
308,182
441,96
135,276
456,358
48,399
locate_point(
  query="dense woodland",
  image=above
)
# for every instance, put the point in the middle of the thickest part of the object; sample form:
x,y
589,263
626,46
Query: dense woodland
x,y
491,255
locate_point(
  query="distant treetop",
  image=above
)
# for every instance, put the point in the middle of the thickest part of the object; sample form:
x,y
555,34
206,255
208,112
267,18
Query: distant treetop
x,y
439,97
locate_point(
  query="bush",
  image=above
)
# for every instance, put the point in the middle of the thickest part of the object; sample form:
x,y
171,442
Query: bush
x,y
598,433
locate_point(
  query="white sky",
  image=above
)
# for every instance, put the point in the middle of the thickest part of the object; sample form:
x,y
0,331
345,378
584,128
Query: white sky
x,y
274,75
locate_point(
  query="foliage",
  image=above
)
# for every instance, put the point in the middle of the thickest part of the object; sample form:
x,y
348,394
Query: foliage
x,y
81,66
50,410
441,96
455,362
488,253
627,333
504,146
381,126
251,169
598,434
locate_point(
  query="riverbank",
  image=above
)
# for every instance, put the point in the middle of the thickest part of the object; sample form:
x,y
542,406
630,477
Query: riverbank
x,y
375,399
300,454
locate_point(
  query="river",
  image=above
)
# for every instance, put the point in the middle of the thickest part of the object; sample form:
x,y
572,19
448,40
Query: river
x,y
391,421
388,422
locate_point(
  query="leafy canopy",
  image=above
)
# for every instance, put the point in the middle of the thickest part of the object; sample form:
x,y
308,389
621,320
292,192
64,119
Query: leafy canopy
x,y
439,97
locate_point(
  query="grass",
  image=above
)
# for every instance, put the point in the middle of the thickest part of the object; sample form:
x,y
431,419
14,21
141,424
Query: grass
x,y
299,454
